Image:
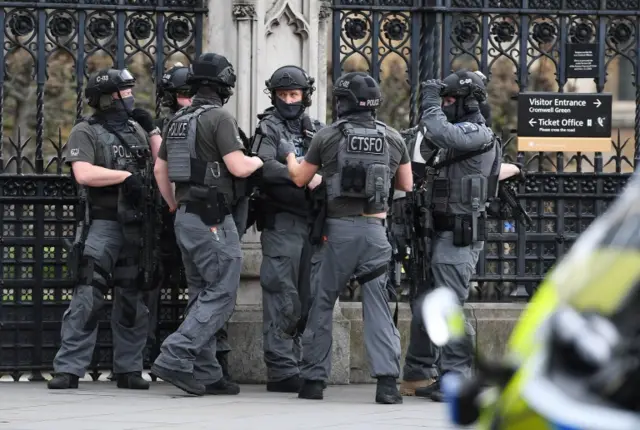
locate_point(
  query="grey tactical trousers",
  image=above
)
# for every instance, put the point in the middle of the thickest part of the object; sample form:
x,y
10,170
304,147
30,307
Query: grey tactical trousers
x,y
212,260
107,249
286,282
451,267
354,245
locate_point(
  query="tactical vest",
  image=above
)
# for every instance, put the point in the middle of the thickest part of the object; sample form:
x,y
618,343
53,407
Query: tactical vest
x,y
363,166
112,154
447,190
183,161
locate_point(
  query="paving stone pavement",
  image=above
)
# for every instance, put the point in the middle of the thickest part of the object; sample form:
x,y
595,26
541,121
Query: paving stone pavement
x,y
101,406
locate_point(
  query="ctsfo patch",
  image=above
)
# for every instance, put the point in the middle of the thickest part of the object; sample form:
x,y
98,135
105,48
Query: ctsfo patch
x,y
357,144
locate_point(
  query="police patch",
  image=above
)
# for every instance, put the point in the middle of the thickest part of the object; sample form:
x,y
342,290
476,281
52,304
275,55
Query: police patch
x,y
468,127
178,130
365,144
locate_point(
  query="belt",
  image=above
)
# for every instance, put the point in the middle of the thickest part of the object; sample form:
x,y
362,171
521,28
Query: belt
x,y
442,222
368,219
104,214
196,208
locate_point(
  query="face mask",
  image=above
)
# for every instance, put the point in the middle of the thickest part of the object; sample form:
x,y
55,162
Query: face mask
x,y
453,111
119,110
125,104
289,110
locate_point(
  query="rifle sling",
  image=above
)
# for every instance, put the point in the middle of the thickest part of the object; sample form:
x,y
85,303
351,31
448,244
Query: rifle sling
x,y
462,157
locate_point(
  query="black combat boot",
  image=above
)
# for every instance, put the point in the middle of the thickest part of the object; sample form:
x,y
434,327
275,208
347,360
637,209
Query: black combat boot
x,y
290,385
222,387
63,381
132,381
311,390
387,391
432,392
223,360
185,381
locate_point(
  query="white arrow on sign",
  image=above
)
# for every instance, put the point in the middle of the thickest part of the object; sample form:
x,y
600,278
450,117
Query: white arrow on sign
x,y
532,122
597,103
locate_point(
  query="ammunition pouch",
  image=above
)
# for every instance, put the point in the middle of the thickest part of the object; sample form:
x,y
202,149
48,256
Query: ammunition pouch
x,y
211,206
461,226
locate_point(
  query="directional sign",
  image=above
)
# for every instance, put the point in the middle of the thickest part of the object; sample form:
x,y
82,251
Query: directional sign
x,y
564,122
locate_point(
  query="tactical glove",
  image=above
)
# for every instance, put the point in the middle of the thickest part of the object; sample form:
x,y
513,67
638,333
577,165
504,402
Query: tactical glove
x,y
132,188
431,90
143,118
285,148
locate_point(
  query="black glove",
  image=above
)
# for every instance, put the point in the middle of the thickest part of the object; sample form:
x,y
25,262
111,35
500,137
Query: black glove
x,y
143,118
431,90
132,189
285,148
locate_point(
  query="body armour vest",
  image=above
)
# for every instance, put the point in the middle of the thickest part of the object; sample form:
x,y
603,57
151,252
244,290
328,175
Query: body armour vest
x,y
112,153
363,166
183,162
447,194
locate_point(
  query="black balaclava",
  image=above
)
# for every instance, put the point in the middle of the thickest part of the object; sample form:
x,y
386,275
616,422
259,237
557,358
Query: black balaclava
x,y
461,108
120,110
289,111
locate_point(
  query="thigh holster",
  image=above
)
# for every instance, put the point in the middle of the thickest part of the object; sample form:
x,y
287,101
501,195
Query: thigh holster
x,y
94,275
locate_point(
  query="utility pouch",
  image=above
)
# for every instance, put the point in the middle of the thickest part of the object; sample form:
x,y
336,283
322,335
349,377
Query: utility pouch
x,y
463,231
212,209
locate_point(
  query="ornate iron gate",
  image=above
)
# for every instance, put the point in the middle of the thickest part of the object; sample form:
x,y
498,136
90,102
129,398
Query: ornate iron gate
x,y
518,43
49,50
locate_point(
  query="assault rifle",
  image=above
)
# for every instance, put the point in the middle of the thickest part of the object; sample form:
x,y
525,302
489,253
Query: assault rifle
x,y
419,232
149,264
507,206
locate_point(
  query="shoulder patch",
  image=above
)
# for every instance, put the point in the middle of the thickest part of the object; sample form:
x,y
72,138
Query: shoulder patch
x,y
468,127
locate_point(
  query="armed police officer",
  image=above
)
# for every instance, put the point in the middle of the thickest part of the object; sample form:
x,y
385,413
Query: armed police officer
x,y
359,157
465,175
109,154
176,94
202,153
284,209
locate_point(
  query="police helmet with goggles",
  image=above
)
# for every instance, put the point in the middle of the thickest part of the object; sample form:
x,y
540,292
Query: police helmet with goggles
x,y
104,83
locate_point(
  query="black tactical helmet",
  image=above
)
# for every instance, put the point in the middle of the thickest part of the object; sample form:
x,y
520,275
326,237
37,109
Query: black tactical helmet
x,y
106,82
291,78
359,90
468,89
174,83
485,108
212,70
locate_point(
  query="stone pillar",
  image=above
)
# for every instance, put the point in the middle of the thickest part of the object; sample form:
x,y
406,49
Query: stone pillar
x,y
259,36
